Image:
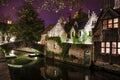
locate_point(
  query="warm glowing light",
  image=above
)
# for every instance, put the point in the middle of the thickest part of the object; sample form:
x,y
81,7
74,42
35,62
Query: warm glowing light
x,y
119,51
107,50
114,44
102,44
107,44
12,53
113,51
115,20
102,50
9,22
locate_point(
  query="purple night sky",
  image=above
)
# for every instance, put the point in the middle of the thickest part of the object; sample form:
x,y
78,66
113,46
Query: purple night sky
x,y
49,17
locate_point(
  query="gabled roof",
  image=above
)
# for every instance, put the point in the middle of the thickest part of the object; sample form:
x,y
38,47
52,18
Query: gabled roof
x,y
81,24
109,13
49,27
106,14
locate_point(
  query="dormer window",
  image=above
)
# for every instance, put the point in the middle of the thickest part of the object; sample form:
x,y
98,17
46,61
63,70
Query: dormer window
x,y
110,23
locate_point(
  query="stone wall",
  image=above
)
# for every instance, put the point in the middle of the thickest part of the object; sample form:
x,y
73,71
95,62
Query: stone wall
x,y
53,47
82,52
77,53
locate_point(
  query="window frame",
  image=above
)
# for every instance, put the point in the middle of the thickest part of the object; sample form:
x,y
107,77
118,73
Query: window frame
x,y
107,24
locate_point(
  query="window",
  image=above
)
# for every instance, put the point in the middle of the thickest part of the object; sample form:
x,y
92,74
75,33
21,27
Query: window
x,y
102,50
105,47
116,23
107,50
107,44
113,47
105,24
102,47
110,23
119,48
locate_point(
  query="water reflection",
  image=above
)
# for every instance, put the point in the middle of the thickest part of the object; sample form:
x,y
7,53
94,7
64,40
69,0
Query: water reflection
x,y
47,69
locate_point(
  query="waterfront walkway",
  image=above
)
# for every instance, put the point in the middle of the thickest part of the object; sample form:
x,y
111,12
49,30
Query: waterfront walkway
x,y
106,66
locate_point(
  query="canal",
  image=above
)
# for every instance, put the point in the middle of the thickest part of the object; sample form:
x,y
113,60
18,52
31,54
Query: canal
x,y
39,68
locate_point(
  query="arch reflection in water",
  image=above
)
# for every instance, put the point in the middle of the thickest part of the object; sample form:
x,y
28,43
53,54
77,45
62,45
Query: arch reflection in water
x,y
22,59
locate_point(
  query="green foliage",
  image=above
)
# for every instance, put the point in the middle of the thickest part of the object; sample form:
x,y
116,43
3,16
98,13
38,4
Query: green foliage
x,y
4,28
28,27
65,47
3,51
84,37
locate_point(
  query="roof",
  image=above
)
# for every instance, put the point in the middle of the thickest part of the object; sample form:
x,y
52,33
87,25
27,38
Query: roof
x,y
109,13
106,14
48,28
80,24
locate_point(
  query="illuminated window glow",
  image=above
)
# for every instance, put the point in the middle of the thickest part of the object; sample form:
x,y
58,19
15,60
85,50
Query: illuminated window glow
x,y
107,50
110,23
107,44
119,51
102,50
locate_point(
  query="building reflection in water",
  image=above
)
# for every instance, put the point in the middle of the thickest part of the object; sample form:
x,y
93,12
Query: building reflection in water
x,y
53,70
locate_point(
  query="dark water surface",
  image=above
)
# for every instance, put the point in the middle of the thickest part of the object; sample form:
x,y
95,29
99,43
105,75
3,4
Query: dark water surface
x,y
48,69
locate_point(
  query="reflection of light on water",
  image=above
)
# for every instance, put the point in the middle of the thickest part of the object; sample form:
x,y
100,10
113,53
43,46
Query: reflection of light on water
x,y
12,53
55,72
35,58
86,77
12,39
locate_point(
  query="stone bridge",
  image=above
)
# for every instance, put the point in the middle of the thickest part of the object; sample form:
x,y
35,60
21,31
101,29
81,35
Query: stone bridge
x,y
21,44
4,71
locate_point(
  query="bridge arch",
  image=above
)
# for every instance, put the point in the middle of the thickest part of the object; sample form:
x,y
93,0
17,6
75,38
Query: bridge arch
x,y
21,44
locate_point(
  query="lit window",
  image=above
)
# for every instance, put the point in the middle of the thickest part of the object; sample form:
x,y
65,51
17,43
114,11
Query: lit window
x,y
118,44
116,25
107,50
113,51
119,51
102,50
115,20
114,44
107,44
102,44
105,24
109,25
110,21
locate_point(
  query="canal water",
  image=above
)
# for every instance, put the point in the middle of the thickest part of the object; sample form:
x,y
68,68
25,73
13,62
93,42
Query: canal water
x,y
37,68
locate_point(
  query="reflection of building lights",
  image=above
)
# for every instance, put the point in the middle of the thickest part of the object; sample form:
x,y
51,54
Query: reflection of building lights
x,y
9,22
86,77
12,39
12,53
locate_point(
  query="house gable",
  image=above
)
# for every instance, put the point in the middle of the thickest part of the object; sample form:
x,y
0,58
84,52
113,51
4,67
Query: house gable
x,y
109,13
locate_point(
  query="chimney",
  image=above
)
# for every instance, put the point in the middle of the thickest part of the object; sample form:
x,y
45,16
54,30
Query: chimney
x,y
89,13
116,4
